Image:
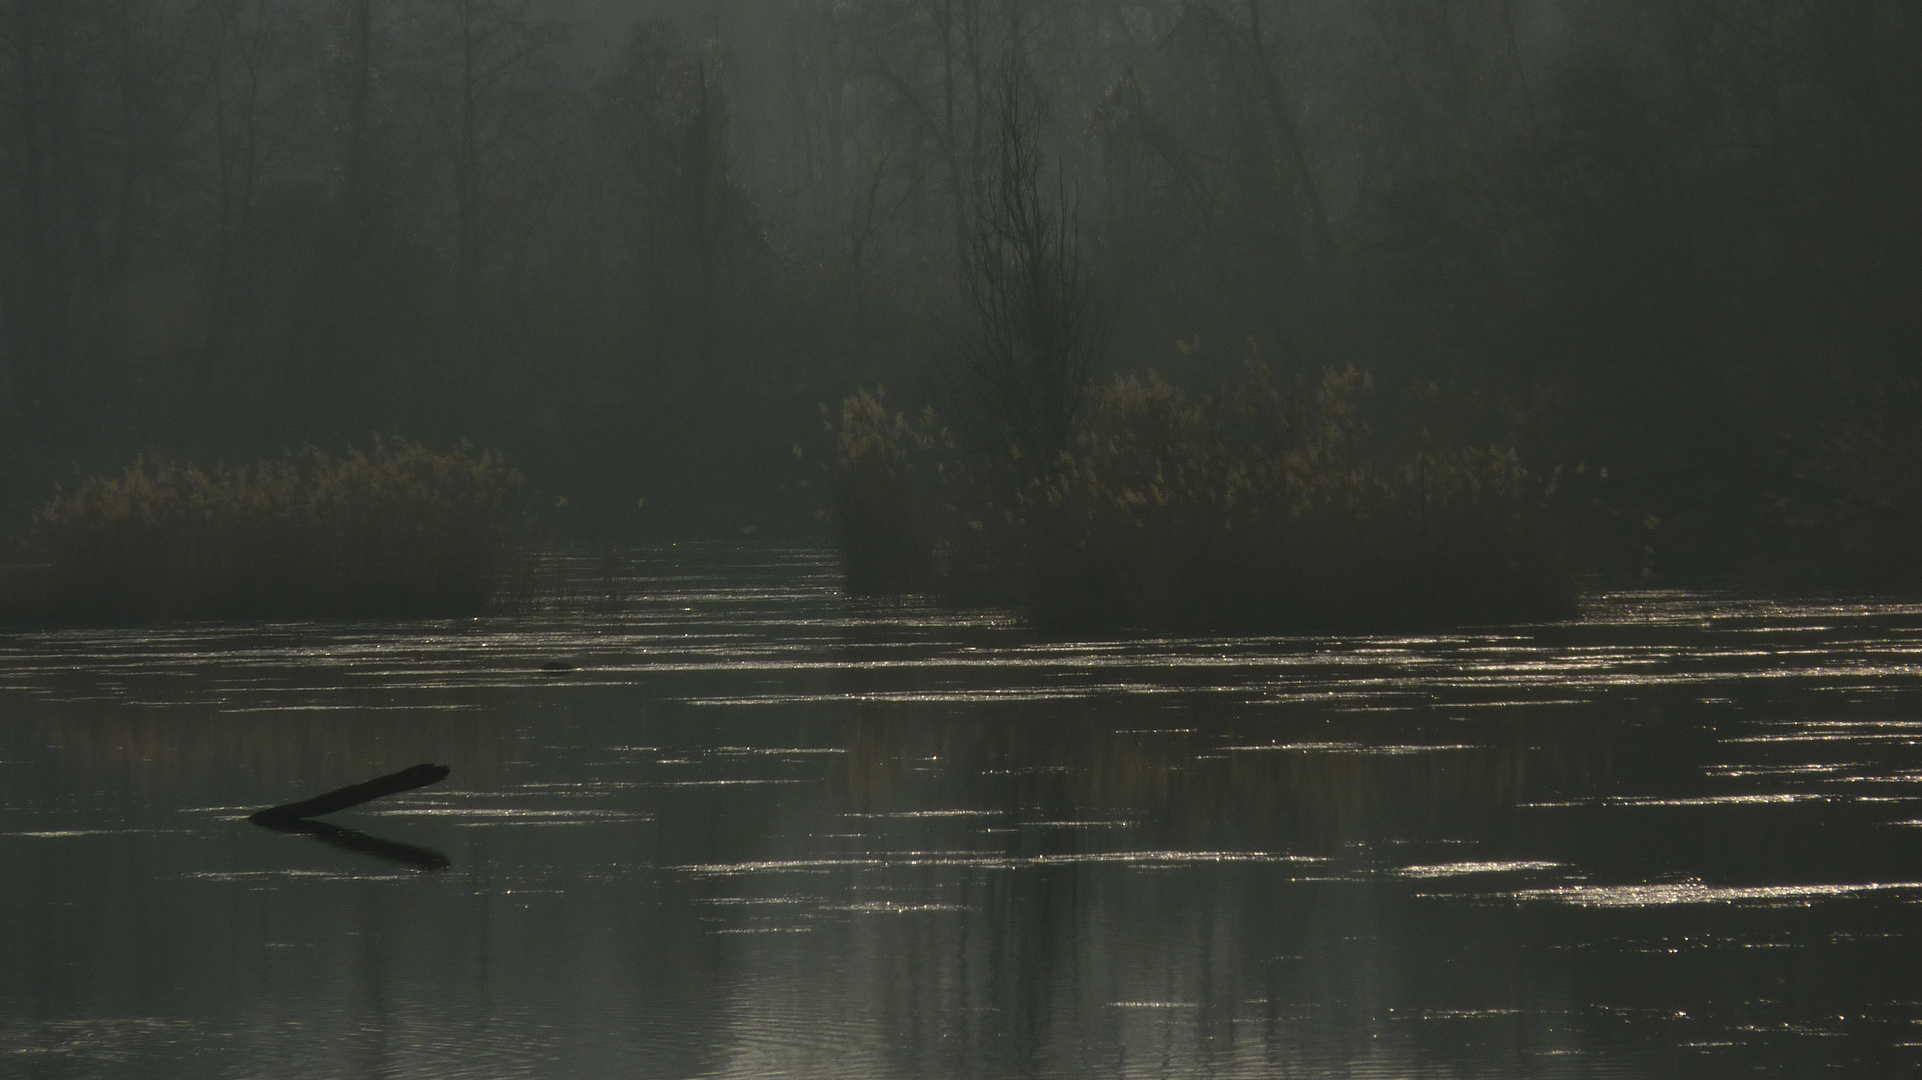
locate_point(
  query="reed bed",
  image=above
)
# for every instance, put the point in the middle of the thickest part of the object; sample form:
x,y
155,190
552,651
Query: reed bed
x,y
1259,508
398,529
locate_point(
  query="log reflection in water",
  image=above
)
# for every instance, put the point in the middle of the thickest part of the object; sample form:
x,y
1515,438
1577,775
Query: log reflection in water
x,y
413,857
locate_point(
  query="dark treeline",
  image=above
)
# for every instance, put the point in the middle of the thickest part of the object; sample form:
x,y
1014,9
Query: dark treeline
x,y
636,243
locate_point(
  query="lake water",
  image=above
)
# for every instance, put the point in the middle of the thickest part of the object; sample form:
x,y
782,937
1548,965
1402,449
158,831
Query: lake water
x,y
763,830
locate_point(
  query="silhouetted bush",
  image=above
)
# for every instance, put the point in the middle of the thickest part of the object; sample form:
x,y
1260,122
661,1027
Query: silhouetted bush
x,y
399,529
1255,509
1846,497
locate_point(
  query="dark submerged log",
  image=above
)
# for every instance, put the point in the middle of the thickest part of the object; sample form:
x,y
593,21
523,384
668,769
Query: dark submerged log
x,y
353,795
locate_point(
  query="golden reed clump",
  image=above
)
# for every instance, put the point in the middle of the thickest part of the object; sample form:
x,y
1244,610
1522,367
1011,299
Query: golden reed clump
x,y
397,529
1258,508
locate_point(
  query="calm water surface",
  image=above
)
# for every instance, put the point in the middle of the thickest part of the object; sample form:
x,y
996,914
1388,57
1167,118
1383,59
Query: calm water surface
x,y
763,830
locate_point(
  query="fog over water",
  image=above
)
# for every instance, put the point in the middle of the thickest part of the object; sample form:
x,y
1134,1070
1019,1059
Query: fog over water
x,y
765,830
960,538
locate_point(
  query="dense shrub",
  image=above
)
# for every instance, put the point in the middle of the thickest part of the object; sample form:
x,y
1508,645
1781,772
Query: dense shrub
x,y
1260,507
1847,498
399,529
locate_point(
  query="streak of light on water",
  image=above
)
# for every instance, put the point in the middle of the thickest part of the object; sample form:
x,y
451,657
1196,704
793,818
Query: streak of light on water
x,y
761,829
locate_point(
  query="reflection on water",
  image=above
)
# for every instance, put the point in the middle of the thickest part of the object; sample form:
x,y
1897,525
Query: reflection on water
x,y
410,855
756,829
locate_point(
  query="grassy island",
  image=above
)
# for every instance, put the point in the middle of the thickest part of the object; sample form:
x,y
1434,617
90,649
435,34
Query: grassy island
x,y
393,530
1261,507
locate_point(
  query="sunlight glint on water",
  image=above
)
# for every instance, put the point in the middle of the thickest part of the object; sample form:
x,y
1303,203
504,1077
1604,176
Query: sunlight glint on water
x,y
762,830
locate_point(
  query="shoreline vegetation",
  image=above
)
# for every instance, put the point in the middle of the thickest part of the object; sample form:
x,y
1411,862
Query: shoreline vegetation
x,y
1263,507
635,246
396,530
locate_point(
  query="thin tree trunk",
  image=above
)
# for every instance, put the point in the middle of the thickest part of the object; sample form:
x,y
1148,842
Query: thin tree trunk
x,y
1288,131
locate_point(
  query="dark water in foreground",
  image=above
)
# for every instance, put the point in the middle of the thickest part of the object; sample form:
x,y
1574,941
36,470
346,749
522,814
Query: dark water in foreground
x,y
764,831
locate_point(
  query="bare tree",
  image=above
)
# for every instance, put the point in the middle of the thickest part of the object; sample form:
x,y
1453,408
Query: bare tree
x,y
693,225
37,165
94,100
1039,333
497,84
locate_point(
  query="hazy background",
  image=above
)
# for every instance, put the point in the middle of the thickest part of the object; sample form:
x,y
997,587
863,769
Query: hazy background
x,y
637,243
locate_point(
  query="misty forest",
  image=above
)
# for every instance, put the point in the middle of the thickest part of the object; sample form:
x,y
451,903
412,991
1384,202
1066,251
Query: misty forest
x,y
1451,303
960,539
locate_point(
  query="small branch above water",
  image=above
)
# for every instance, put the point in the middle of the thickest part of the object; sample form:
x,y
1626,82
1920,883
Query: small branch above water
x,y
353,795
